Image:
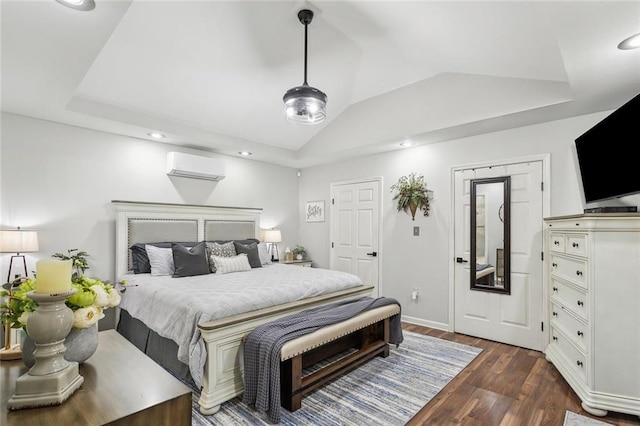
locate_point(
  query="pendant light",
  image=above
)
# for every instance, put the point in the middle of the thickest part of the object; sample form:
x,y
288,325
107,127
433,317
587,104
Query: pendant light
x,y
305,104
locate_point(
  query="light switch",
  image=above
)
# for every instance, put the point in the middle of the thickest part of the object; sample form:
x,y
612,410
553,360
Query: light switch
x,y
416,231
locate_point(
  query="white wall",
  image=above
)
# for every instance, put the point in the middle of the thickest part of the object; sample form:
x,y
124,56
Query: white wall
x,y
423,261
61,179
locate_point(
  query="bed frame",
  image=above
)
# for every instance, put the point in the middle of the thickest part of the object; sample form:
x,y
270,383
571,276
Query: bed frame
x,y
141,222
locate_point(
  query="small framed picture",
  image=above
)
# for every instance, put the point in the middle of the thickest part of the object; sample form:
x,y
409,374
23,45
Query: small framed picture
x,y
315,211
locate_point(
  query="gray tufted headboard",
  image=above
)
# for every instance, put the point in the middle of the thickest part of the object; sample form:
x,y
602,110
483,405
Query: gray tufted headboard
x,y
141,222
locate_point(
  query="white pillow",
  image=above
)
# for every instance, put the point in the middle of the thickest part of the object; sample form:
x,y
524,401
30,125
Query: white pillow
x,y
263,251
225,265
160,259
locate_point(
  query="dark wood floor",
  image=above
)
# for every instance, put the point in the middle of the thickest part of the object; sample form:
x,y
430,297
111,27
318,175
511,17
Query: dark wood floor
x,y
504,385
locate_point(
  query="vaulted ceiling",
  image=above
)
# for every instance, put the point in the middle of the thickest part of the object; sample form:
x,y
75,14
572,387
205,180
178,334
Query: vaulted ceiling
x,y
211,74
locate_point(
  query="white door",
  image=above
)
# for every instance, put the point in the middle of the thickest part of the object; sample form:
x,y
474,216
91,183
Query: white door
x,y
355,240
514,319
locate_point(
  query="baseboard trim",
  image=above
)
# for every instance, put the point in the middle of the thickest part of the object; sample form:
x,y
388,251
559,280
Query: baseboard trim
x,y
426,323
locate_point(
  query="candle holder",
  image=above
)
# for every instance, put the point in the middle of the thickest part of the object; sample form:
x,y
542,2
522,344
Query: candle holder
x,y
52,379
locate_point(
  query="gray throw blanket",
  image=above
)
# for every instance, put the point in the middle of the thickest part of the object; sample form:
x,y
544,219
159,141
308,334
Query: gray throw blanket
x,y
262,347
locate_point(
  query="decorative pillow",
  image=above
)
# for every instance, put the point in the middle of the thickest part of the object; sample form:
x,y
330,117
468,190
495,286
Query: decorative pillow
x,y
252,253
140,259
225,265
263,252
190,261
214,248
160,260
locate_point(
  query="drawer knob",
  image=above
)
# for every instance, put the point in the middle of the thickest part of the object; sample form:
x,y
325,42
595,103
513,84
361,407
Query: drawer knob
x,y
575,244
580,333
578,273
555,339
555,265
555,288
579,363
555,314
557,243
580,303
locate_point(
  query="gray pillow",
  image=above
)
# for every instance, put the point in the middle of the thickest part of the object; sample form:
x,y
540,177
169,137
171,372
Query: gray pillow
x,y
190,261
252,253
140,259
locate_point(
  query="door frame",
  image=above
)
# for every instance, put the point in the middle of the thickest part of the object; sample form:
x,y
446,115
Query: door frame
x,y
546,212
379,180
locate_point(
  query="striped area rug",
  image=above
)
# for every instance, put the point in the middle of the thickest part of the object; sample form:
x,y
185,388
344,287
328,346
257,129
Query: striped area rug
x,y
384,391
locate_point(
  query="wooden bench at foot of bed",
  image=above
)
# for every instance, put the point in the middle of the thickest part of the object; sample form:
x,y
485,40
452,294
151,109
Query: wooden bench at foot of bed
x,y
368,332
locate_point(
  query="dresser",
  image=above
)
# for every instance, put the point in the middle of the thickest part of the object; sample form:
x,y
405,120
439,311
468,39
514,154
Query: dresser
x,y
592,273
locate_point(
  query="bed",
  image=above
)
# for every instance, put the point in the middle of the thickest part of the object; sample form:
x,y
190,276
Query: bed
x,y
485,274
194,326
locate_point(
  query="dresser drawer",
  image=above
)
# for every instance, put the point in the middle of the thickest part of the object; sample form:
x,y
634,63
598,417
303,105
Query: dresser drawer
x,y
570,297
574,328
576,244
576,359
556,242
573,270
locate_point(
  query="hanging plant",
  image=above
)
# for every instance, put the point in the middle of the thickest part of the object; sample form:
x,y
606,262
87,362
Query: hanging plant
x,y
412,194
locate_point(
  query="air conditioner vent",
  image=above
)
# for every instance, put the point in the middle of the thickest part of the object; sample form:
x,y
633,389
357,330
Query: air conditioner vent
x,y
195,166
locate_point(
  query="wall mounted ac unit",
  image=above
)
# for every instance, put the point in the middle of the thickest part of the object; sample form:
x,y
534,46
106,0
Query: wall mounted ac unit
x,y
194,166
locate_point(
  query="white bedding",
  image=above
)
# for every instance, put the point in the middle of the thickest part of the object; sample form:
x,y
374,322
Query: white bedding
x,y
173,307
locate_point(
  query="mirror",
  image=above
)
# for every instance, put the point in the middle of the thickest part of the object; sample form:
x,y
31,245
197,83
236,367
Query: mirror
x,y
490,268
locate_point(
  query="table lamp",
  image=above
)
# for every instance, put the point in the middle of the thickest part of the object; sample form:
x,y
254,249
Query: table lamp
x,y
272,237
15,241
18,241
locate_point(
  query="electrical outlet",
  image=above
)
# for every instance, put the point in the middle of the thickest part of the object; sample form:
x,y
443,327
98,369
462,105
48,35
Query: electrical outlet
x,y
416,231
414,294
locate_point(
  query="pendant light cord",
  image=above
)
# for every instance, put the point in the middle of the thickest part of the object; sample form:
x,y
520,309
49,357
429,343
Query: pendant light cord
x,y
305,54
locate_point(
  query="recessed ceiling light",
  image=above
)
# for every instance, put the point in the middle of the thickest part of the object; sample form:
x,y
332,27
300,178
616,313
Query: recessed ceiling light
x,y
632,42
156,135
406,144
85,5
244,153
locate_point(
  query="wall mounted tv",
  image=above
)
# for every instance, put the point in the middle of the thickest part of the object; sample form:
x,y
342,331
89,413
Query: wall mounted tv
x,y
609,165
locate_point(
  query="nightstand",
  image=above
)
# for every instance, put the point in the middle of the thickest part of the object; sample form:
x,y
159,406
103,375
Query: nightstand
x,y
305,262
122,386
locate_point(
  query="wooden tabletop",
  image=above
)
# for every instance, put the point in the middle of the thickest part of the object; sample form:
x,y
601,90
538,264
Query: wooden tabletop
x,y
121,386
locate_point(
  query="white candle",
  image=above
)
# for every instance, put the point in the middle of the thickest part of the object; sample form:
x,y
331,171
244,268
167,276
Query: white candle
x,y
53,276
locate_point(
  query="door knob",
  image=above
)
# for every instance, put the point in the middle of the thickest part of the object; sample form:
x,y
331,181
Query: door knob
x,y
461,260
373,253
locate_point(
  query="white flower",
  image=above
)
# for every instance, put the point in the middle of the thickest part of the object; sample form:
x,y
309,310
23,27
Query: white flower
x,y
86,317
24,317
114,298
102,298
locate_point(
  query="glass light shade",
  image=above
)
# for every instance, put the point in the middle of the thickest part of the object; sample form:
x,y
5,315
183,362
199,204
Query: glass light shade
x,y
305,104
272,236
18,241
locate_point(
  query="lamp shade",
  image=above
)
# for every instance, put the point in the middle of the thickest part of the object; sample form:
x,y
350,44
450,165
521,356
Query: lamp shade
x,y
18,241
272,236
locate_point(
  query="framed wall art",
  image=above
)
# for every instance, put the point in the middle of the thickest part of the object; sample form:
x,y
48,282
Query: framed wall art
x,y
315,211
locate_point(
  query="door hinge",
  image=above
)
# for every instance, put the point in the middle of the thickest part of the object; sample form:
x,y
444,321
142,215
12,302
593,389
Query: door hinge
x,y
331,244
542,186
333,201
542,256
541,326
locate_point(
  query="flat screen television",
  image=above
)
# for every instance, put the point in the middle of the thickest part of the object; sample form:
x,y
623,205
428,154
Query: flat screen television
x,y
609,165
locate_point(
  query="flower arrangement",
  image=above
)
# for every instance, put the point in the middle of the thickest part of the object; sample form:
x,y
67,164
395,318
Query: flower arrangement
x,y
412,194
92,295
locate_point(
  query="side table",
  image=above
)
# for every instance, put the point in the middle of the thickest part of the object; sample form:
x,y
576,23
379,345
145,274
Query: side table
x,y
122,386
305,262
